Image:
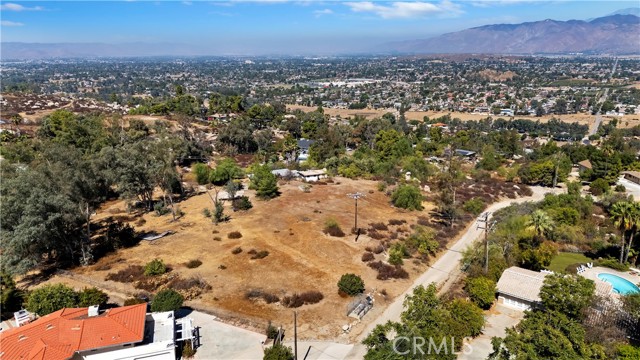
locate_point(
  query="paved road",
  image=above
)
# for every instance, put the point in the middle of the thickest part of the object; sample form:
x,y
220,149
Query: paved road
x,y
441,270
602,99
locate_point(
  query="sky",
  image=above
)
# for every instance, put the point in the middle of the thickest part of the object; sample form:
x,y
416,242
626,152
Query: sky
x,y
273,26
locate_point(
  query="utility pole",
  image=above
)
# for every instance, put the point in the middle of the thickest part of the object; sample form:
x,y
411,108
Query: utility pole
x,y
484,218
295,335
356,196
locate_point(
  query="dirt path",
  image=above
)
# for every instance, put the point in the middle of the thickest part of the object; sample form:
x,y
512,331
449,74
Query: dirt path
x,y
445,269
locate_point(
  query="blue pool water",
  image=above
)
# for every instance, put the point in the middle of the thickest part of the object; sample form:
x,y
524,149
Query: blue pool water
x,y
620,285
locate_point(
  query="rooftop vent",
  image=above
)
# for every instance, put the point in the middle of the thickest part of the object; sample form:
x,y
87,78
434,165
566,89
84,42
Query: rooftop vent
x,y
93,310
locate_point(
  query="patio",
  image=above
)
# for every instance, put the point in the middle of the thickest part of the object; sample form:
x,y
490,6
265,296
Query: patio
x,y
603,287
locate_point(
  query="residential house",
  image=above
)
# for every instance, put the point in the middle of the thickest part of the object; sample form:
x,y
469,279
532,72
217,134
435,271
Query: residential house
x,y
313,175
520,288
633,176
303,149
124,333
584,165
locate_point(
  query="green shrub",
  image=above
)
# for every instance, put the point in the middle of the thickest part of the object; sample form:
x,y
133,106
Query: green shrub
x,y
407,197
272,331
278,352
160,209
242,203
202,173
612,264
599,187
474,206
92,296
166,300
620,188
397,252
50,298
482,291
154,267
351,284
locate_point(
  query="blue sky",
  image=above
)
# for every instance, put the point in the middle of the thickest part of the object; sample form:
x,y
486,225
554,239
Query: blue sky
x,y
273,26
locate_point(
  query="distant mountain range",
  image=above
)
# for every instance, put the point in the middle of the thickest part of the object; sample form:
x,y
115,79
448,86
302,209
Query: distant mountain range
x,y
616,33
613,34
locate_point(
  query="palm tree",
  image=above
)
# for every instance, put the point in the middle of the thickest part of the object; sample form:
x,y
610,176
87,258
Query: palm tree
x,y
540,222
635,224
621,213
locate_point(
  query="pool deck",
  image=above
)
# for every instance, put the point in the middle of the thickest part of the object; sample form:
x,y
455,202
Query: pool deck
x,y
593,275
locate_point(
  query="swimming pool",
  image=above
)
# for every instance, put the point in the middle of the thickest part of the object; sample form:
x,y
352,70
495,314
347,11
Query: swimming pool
x,y
620,285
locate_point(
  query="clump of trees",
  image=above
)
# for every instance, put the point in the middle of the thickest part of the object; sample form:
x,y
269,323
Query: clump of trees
x,y
407,197
51,298
426,315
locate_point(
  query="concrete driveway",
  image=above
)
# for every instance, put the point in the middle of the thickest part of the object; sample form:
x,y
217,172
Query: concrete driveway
x,y
222,341
499,318
632,188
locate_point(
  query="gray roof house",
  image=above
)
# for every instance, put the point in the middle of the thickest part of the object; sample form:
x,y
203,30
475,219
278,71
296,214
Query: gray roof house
x,y
520,288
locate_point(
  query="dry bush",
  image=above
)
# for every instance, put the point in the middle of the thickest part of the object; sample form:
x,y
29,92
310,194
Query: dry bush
x,y
217,238
260,294
375,235
396,222
129,274
305,298
260,255
378,249
236,251
234,235
379,226
331,227
423,221
386,271
252,252
367,256
198,282
103,267
192,264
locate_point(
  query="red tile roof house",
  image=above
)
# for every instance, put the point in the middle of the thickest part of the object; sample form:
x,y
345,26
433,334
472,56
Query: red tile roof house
x,y
124,333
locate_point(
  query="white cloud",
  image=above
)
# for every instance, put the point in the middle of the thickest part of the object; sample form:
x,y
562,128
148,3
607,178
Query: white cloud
x,y
10,23
18,7
188,3
404,9
319,13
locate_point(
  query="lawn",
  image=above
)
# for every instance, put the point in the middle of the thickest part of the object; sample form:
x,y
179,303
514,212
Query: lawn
x,y
564,259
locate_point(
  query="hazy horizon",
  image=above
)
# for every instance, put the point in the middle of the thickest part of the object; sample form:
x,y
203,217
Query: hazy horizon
x,y
274,27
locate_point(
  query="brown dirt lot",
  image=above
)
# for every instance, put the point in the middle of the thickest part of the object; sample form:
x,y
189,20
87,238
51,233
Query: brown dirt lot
x,y
301,257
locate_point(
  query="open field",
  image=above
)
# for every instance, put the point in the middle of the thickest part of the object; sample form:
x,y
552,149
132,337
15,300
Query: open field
x,y
301,257
562,260
585,119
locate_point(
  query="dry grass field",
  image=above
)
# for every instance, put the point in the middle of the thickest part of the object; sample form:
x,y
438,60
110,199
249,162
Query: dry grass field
x,y
585,119
301,257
